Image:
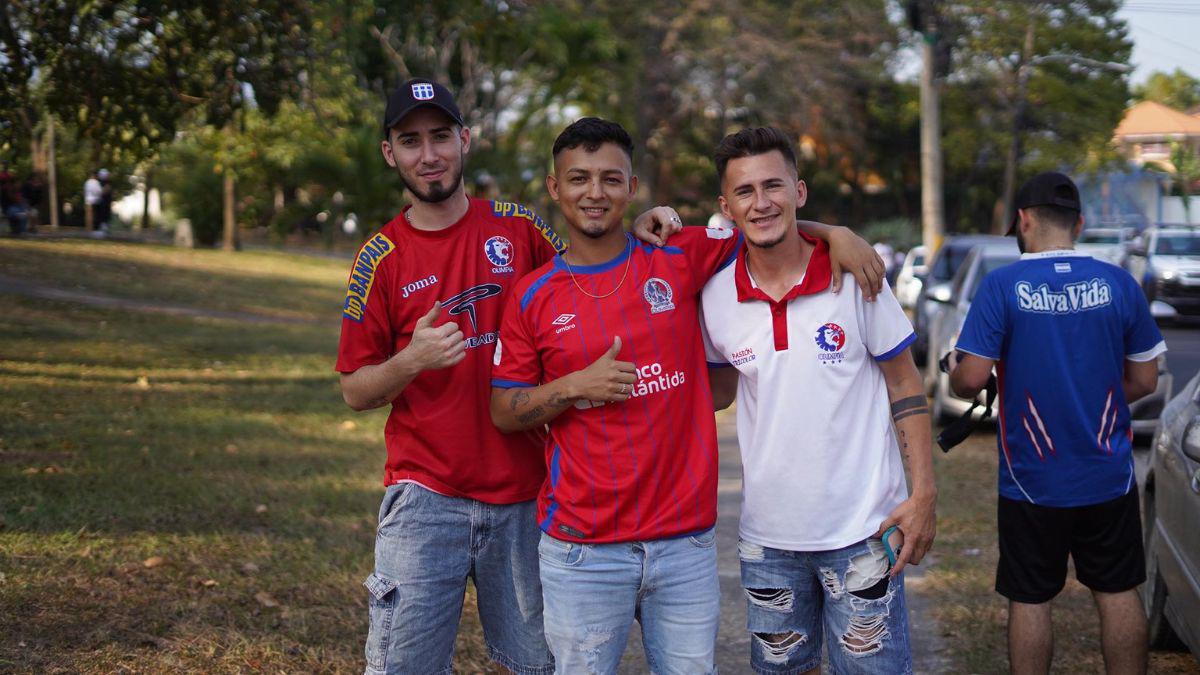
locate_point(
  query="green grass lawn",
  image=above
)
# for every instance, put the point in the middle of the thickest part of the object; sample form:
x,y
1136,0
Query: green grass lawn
x,y
182,493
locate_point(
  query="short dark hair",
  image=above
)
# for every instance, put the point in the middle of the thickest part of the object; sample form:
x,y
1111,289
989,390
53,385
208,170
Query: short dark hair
x,y
751,142
591,133
1057,216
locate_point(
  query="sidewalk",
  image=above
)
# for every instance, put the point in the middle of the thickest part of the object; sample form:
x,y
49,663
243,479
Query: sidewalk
x,y
733,642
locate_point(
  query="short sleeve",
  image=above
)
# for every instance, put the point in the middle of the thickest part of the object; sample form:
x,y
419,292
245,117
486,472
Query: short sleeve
x,y
367,335
712,356
1143,340
708,250
886,331
516,362
986,323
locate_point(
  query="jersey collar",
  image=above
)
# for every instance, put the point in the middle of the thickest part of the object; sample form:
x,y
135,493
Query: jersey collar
x,y
1056,253
816,277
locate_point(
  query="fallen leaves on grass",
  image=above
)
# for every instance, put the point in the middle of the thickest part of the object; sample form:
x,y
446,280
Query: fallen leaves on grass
x,y
261,508
143,382
154,561
231,449
209,583
349,425
264,598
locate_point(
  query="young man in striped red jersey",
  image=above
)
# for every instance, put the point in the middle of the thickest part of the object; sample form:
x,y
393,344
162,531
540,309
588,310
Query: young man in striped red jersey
x,y
603,345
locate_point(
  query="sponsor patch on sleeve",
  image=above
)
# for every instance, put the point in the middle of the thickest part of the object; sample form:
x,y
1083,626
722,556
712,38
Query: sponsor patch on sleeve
x,y
362,276
505,209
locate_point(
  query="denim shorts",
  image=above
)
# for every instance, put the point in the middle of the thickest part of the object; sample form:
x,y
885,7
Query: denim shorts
x,y
593,593
426,548
795,598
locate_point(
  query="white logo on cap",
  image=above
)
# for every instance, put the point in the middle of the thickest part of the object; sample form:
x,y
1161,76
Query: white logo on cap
x,y
422,91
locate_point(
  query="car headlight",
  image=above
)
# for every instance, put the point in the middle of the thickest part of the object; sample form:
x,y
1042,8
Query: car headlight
x,y
1166,275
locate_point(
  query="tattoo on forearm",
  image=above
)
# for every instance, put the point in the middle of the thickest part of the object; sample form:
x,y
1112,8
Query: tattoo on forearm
x,y
907,407
532,415
519,399
557,400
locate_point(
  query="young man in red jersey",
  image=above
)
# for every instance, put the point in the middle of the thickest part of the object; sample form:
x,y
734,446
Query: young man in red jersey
x,y
603,344
421,315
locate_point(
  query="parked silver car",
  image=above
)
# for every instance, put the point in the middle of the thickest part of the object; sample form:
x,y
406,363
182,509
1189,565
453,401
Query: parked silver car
x,y
1166,262
1171,517
936,287
1109,244
949,311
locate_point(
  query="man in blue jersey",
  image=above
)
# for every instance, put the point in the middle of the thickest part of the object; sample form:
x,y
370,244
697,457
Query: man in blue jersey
x,y
1072,342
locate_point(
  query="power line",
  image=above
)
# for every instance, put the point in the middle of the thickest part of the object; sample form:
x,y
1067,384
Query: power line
x,y
1164,38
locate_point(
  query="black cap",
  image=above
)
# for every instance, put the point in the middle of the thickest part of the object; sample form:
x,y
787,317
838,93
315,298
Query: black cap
x,y
414,94
1050,188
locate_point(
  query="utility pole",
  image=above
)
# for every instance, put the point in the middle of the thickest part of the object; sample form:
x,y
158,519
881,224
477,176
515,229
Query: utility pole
x,y
923,15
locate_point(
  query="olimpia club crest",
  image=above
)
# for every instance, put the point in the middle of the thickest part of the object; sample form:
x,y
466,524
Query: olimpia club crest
x,y
830,338
658,294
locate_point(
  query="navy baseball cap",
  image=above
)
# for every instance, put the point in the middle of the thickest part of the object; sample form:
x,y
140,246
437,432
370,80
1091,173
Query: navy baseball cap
x,y
415,93
1045,189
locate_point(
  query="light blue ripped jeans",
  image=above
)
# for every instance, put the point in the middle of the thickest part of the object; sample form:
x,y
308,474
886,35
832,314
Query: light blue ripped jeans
x,y
593,592
797,597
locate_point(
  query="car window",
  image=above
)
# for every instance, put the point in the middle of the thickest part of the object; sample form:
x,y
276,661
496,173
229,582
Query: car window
x,y
960,277
988,264
947,262
1177,244
1099,238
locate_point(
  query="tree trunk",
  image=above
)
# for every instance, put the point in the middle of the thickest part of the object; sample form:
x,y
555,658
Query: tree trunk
x,y
1013,158
230,241
148,185
933,216
52,172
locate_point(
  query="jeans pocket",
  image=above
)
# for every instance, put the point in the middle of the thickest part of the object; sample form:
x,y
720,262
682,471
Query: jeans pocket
x,y
381,607
389,507
559,552
706,539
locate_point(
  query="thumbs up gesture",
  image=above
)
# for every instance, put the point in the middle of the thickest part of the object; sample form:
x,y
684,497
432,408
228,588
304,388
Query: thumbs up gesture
x,y
607,379
435,347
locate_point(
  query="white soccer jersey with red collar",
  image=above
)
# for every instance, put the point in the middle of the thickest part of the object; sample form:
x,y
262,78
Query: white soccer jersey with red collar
x,y
821,466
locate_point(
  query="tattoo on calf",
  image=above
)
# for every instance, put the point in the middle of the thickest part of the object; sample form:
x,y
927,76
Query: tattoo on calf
x,y
907,407
519,399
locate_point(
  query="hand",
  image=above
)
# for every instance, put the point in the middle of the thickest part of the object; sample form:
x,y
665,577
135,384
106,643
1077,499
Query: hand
x,y
607,379
917,520
434,347
657,225
849,252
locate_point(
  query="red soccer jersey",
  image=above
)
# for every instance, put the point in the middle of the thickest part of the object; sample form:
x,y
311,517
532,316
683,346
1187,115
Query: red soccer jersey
x,y
440,432
645,468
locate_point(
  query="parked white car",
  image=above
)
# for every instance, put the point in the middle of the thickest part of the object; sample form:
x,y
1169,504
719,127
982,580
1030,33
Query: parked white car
x,y
911,277
1103,243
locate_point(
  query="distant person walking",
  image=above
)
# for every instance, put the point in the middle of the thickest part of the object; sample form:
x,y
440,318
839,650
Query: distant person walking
x,y
92,192
32,192
11,202
104,208
1072,342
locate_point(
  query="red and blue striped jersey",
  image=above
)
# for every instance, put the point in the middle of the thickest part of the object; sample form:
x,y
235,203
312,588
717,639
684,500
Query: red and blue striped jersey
x,y
644,468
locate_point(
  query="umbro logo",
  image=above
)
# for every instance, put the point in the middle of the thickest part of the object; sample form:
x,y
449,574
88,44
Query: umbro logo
x,y
564,323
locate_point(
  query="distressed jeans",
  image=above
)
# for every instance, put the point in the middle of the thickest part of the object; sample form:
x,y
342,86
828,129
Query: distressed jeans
x,y
593,593
426,548
795,598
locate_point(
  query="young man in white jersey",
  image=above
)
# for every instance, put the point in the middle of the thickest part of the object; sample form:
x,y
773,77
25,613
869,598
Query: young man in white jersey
x,y
823,480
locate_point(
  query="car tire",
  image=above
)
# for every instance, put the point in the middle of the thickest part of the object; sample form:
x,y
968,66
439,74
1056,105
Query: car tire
x,y
1154,591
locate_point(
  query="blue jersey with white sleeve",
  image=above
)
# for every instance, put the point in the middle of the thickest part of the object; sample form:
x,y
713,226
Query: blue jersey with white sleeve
x,y
1060,326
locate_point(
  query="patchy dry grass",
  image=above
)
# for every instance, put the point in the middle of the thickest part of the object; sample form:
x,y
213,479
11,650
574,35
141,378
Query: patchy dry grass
x,y
971,615
182,494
